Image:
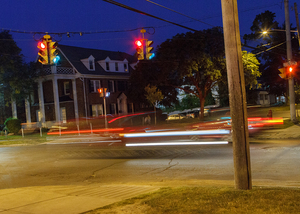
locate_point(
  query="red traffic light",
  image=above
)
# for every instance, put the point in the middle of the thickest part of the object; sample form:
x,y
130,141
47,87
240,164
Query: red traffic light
x,y
42,45
138,43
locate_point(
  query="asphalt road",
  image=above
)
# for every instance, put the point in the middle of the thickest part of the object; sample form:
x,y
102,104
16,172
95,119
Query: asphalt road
x,y
110,162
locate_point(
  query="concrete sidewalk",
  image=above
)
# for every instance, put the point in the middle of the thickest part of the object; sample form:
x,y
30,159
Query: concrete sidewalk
x,y
66,199
292,132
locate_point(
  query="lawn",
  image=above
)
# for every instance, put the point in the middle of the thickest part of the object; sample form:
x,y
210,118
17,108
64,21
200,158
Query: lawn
x,y
31,139
190,200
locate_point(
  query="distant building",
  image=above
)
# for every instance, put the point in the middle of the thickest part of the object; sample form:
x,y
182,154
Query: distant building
x,y
69,90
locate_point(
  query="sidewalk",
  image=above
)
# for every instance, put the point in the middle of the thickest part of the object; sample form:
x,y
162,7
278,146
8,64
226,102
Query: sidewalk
x,y
66,199
292,132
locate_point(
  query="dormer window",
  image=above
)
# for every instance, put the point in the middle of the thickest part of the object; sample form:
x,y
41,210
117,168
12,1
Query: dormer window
x,y
89,63
107,66
117,66
125,67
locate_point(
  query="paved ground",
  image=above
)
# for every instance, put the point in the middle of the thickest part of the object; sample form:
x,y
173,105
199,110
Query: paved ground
x,y
77,199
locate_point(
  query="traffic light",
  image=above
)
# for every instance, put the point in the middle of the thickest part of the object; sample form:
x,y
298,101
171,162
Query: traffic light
x,y
43,52
139,49
149,55
289,72
101,92
282,73
54,58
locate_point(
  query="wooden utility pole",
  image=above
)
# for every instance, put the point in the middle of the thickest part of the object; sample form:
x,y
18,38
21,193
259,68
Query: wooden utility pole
x,y
297,21
237,95
289,61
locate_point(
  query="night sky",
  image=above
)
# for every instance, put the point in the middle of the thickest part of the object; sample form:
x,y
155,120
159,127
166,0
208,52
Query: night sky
x,y
62,16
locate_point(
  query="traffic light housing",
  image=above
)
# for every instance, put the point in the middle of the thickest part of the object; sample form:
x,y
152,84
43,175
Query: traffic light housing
x,y
149,55
282,73
101,92
43,52
139,49
54,58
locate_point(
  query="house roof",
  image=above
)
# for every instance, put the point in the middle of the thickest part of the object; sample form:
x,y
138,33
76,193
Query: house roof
x,y
76,54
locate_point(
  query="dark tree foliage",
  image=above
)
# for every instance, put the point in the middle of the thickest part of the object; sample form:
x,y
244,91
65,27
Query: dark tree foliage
x,y
271,50
192,62
16,76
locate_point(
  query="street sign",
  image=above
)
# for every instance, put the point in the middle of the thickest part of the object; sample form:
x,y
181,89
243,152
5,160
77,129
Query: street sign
x,y
286,64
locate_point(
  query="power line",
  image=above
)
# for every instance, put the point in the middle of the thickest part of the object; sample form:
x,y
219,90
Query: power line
x,y
147,14
179,13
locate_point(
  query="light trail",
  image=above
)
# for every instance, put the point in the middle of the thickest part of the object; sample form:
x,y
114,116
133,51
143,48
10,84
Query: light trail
x,y
178,143
177,133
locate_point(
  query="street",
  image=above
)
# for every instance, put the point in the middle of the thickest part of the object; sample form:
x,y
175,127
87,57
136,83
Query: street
x,y
111,162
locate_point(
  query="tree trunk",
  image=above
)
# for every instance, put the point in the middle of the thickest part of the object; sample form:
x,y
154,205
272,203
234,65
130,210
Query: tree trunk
x,y
202,101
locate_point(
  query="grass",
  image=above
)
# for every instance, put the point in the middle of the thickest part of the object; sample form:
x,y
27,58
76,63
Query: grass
x,y
31,139
190,200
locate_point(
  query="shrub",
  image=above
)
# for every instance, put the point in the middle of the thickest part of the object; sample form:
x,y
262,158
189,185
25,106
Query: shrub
x,y
13,125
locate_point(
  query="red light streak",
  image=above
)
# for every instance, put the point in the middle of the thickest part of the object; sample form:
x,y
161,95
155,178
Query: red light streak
x,y
87,131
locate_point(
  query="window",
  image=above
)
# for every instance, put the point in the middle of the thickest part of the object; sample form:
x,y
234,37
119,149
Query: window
x,y
107,66
94,85
91,65
63,115
66,88
117,66
111,86
97,110
125,67
266,97
38,116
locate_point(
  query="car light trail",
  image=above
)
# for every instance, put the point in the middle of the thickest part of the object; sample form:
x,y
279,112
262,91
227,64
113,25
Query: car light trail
x,y
178,143
177,133
86,131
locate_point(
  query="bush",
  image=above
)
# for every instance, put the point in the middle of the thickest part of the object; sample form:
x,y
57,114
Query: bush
x,y
13,125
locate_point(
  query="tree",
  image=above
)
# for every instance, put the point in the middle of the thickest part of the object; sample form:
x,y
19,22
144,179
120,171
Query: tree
x,y
192,62
271,50
16,76
154,96
251,71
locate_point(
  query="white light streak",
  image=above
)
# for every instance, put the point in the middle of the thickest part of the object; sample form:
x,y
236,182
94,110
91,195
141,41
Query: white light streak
x,y
178,143
178,133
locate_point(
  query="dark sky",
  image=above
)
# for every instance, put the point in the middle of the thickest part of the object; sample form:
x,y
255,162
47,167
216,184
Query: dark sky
x,y
61,16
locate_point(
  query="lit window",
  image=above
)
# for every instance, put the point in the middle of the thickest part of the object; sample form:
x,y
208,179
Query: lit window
x,y
97,110
125,67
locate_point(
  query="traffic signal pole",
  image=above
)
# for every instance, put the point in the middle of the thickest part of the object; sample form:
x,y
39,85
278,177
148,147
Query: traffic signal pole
x,y
289,60
237,95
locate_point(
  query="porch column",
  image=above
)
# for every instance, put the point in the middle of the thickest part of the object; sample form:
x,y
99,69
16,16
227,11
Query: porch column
x,y
41,102
28,114
14,108
75,99
56,99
